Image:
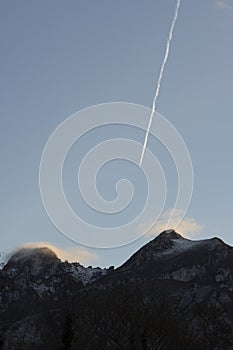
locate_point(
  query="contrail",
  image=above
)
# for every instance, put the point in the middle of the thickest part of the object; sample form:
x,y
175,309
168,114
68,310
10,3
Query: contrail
x,y
160,78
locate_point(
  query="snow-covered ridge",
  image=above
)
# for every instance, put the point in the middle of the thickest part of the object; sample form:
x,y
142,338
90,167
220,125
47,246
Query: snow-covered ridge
x,y
181,244
174,246
84,274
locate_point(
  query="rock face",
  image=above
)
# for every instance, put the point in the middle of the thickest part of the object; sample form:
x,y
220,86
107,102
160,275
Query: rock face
x,y
33,283
173,293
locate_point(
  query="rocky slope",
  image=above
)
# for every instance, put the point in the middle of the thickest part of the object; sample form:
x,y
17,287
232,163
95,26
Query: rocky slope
x,y
173,293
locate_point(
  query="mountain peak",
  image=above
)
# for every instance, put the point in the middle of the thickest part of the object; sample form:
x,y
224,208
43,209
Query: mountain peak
x,y
169,234
35,259
24,254
168,245
165,241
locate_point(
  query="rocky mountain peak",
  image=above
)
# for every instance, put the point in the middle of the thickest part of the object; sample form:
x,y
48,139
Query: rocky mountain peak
x,y
165,241
24,254
169,234
34,259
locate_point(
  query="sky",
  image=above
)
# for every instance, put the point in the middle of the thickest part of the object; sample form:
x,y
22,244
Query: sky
x,y
59,57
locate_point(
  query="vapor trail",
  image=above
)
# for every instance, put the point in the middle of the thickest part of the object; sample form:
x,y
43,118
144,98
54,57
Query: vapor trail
x,y
160,78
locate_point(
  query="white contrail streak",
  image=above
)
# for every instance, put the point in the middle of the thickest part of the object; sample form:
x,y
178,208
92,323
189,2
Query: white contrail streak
x,y
160,78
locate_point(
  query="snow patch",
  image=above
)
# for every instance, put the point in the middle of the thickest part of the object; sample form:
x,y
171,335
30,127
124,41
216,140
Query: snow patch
x,y
181,245
84,274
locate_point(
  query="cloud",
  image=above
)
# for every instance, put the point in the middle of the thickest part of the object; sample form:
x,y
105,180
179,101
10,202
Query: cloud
x,y
172,219
81,255
224,4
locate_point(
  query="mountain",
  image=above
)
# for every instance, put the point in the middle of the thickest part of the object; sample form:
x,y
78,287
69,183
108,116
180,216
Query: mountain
x,y
173,293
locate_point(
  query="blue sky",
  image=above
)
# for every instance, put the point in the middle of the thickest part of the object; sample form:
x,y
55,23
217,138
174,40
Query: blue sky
x,y
59,57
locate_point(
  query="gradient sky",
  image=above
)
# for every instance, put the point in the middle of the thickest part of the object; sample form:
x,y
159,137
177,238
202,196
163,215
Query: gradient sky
x,y
58,57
